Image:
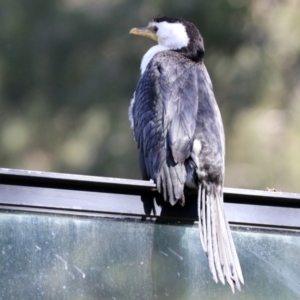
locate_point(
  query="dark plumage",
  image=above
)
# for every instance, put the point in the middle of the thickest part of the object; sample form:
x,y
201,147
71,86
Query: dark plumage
x,y
178,128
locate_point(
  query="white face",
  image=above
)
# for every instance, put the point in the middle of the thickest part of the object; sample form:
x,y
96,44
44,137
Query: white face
x,y
171,35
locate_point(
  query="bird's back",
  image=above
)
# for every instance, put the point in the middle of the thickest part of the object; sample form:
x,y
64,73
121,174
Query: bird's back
x,y
177,124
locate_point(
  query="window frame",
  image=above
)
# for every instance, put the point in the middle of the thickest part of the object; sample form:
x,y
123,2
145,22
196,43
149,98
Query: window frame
x,y
90,195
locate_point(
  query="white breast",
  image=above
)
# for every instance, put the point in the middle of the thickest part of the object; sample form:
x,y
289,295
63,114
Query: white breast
x,y
130,111
149,54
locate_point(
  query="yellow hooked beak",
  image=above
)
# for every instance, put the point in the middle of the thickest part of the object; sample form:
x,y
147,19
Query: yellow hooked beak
x,y
144,31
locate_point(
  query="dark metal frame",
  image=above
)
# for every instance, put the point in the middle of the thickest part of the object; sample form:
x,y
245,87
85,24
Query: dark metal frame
x,y
79,194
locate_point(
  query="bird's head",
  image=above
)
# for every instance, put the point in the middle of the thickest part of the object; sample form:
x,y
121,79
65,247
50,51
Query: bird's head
x,y
175,34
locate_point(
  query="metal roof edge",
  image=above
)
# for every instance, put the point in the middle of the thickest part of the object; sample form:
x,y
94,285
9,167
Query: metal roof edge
x,y
134,187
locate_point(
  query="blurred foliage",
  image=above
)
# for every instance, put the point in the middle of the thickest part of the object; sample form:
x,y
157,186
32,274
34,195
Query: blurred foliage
x,y
68,69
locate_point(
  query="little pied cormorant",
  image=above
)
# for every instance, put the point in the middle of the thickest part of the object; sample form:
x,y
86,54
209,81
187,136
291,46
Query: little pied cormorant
x,y
178,128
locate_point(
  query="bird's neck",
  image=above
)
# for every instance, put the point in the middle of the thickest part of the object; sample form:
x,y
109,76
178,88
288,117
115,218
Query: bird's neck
x,y
192,52
149,54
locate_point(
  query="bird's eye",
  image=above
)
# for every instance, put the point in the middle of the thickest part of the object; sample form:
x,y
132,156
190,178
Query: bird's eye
x,y
155,29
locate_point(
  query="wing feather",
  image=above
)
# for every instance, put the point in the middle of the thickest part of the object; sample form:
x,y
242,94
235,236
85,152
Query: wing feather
x,y
164,116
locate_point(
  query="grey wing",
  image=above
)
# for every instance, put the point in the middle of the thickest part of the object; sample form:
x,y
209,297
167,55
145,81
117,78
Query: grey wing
x,y
164,119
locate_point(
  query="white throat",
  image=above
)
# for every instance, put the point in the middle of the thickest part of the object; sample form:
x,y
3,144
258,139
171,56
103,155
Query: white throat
x,y
149,54
171,36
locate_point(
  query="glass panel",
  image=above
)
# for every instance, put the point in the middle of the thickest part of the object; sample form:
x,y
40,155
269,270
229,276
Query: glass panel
x,y
44,256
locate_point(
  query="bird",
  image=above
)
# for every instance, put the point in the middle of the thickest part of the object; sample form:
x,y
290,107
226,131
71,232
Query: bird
x,y
179,133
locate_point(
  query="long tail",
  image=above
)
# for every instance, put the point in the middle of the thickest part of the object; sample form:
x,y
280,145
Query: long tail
x,y
216,238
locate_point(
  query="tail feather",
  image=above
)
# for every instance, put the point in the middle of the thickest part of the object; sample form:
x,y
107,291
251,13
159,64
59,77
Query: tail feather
x,y
235,260
216,251
202,217
216,238
210,246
